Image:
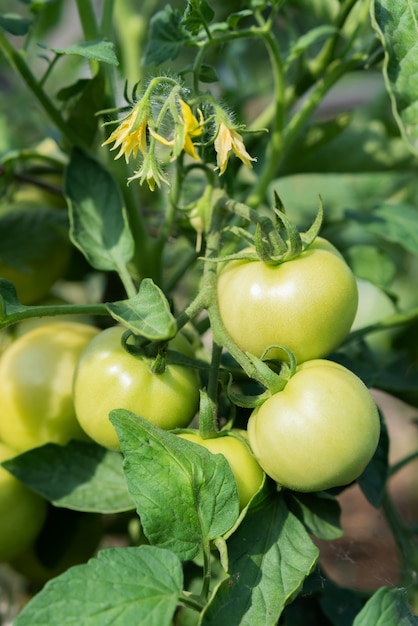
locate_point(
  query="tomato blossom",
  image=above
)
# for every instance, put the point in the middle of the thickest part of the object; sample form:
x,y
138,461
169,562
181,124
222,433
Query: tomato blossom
x,y
131,134
151,172
228,139
187,126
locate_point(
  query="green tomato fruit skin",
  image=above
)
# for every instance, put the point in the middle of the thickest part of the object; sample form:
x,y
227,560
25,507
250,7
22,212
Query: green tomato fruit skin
x,y
22,511
319,432
36,378
307,304
246,470
108,377
373,306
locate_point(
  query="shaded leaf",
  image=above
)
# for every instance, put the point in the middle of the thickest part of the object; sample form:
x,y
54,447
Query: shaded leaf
x,y
15,24
121,587
386,607
167,36
394,222
270,554
98,221
81,476
396,24
97,50
319,512
373,480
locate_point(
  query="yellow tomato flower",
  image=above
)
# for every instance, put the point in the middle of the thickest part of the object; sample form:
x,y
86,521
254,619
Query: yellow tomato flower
x,y
227,140
192,128
186,128
130,135
150,172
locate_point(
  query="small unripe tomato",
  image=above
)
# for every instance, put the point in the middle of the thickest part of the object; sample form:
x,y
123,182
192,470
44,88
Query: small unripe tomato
x,y
108,377
22,511
247,472
36,379
319,432
306,304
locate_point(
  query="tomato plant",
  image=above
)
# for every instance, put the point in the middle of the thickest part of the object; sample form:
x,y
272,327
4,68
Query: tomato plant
x,y
36,377
22,511
247,472
307,304
319,432
108,377
224,173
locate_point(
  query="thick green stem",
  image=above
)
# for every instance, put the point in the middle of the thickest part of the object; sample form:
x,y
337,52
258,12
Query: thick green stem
x,y
52,311
88,19
275,145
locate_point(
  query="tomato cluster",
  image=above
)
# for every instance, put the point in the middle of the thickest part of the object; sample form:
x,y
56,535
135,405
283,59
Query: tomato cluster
x,y
323,428
60,380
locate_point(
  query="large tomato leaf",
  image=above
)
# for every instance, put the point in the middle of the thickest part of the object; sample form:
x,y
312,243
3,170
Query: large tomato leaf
x,y
81,476
185,495
396,24
386,607
270,555
121,587
98,221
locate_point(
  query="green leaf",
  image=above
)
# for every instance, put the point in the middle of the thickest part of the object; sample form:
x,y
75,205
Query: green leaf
x,y
197,14
82,110
121,587
315,35
98,221
393,222
371,263
15,24
373,480
147,314
396,24
97,50
167,36
386,607
9,304
270,554
81,476
185,495
319,512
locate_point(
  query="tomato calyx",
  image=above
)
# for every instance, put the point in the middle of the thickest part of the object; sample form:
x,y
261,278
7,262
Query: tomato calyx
x,y
276,238
265,372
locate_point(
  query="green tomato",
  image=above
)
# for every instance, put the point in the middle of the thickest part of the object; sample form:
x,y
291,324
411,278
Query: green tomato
x,y
319,432
247,472
35,251
307,304
36,377
108,377
373,306
22,511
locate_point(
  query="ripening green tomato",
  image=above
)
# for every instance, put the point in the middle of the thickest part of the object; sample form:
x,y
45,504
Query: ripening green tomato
x,y
307,304
22,511
108,377
38,253
319,432
247,472
373,306
36,377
